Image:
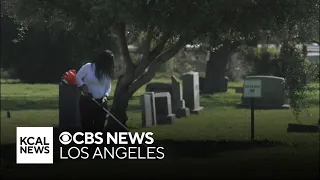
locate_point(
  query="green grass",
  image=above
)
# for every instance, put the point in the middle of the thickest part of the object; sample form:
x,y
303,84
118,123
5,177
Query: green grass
x,y
218,138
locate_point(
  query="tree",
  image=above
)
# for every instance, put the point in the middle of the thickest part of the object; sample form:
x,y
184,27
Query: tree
x,y
293,21
29,50
164,25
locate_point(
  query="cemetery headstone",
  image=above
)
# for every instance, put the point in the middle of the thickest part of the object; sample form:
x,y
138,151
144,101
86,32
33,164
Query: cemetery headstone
x,y
164,113
69,113
302,128
178,104
272,93
159,87
239,89
148,110
191,94
252,89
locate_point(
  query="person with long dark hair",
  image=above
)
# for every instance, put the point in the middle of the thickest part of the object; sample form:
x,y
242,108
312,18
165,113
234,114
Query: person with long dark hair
x,y
94,79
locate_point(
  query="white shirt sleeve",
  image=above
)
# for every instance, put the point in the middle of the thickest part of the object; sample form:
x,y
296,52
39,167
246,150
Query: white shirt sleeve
x,y
83,71
108,87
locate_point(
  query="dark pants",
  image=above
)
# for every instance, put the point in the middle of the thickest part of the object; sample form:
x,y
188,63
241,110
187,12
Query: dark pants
x,y
92,115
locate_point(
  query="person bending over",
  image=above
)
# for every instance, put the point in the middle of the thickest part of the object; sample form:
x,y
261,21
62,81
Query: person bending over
x,y
94,78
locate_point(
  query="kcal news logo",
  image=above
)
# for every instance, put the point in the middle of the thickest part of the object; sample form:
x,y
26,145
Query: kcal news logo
x,y
70,148
34,145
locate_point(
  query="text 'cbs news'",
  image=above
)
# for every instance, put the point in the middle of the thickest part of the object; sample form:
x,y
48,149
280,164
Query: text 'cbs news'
x,y
35,145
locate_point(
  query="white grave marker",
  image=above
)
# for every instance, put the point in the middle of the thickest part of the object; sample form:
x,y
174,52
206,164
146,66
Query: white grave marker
x,y
252,88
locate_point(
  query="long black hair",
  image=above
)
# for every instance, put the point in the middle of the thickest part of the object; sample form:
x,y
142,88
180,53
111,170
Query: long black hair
x,y
104,64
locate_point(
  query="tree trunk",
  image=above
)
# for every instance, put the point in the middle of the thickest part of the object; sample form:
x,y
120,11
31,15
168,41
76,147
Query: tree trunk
x,y
216,69
120,112
120,104
138,74
126,87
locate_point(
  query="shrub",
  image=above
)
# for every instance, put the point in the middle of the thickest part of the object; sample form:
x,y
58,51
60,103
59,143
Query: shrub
x,y
313,71
290,63
296,73
262,61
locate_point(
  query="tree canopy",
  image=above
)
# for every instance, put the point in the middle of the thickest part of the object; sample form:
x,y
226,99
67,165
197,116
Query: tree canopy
x,y
169,24
163,27
169,20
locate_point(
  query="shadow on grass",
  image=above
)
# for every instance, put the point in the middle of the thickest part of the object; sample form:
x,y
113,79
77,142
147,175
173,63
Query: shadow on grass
x,y
20,103
310,103
174,149
219,101
38,103
241,106
212,104
23,103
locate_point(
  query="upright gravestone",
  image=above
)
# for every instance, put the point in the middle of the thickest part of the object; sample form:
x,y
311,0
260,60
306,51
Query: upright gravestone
x,y
164,113
191,92
159,87
69,114
272,93
178,104
148,110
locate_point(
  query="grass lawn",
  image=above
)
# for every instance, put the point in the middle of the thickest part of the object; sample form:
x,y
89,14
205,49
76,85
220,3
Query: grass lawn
x,y
214,143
